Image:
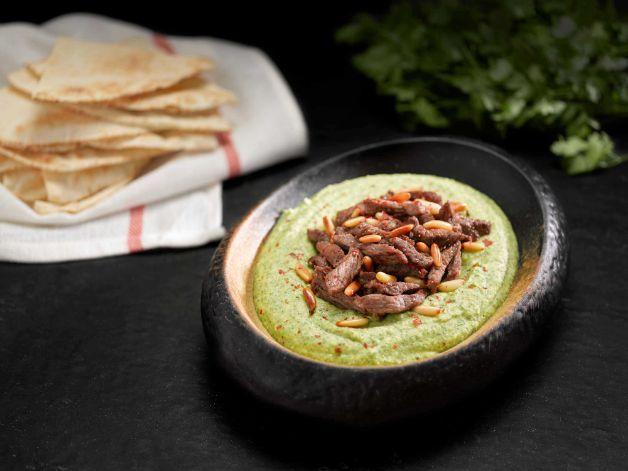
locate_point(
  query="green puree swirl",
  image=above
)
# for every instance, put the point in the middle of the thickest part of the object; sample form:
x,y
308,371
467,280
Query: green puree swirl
x,y
399,338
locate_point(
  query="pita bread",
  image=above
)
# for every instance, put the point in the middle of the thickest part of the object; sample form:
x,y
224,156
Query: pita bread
x,y
28,124
191,96
8,164
25,183
23,80
79,159
206,122
172,140
37,68
87,72
66,187
46,207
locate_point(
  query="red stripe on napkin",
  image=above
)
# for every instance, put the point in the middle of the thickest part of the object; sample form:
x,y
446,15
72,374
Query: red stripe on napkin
x,y
134,236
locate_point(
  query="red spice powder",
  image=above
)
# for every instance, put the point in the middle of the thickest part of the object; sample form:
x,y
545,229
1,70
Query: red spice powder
x,y
337,350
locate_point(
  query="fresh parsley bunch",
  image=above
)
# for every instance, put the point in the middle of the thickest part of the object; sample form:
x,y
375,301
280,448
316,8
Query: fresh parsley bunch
x,y
553,65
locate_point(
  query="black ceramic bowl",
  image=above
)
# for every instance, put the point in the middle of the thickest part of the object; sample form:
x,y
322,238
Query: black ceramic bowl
x,y
370,395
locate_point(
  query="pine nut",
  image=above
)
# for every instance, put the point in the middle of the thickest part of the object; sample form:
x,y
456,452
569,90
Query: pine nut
x,y
310,300
303,273
422,246
352,288
381,215
458,207
401,230
367,263
372,221
354,221
435,252
436,224
427,310
401,197
361,322
328,225
473,246
414,280
451,285
370,239
434,208
356,212
385,277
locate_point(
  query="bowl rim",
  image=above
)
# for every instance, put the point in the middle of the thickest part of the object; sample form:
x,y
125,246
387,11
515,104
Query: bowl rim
x,y
551,212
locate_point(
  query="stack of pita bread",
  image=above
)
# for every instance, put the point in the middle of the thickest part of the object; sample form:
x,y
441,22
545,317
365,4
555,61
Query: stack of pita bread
x,y
82,123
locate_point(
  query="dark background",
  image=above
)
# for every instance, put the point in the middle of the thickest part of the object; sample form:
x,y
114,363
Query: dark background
x,y
103,364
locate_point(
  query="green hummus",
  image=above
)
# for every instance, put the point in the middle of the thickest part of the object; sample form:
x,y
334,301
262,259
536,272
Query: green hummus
x,y
398,338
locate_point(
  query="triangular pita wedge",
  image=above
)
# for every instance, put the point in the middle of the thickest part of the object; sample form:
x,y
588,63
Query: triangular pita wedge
x,y
23,80
28,124
173,140
79,159
65,187
207,122
8,164
190,96
25,183
46,207
87,72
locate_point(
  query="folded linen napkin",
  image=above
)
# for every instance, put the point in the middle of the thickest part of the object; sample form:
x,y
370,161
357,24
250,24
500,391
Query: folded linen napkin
x,y
177,204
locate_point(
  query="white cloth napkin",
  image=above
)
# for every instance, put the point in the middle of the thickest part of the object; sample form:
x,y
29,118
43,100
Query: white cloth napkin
x,y
178,203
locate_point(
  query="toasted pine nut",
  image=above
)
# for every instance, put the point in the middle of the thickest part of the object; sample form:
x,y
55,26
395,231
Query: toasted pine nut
x,y
381,215
310,300
473,246
414,280
451,285
361,322
401,230
370,238
458,207
436,224
354,221
434,208
435,252
303,273
356,212
427,310
401,197
372,221
367,263
352,288
422,246
385,277
328,225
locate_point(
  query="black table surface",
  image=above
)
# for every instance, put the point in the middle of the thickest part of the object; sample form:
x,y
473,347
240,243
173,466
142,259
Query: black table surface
x,y
103,363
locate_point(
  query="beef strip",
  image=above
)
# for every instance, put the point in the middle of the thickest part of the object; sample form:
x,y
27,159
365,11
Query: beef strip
x,y
383,254
331,252
319,261
441,237
390,289
426,195
406,245
436,273
364,228
343,215
417,209
446,213
365,276
338,279
453,269
381,304
370,206
316,235
344,239
388,225
474,228
339,299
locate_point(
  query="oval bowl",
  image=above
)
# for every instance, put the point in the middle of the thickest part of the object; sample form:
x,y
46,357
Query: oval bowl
x,y
372,395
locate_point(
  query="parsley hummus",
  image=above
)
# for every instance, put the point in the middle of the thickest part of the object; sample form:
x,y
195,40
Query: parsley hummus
x,y
482,279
